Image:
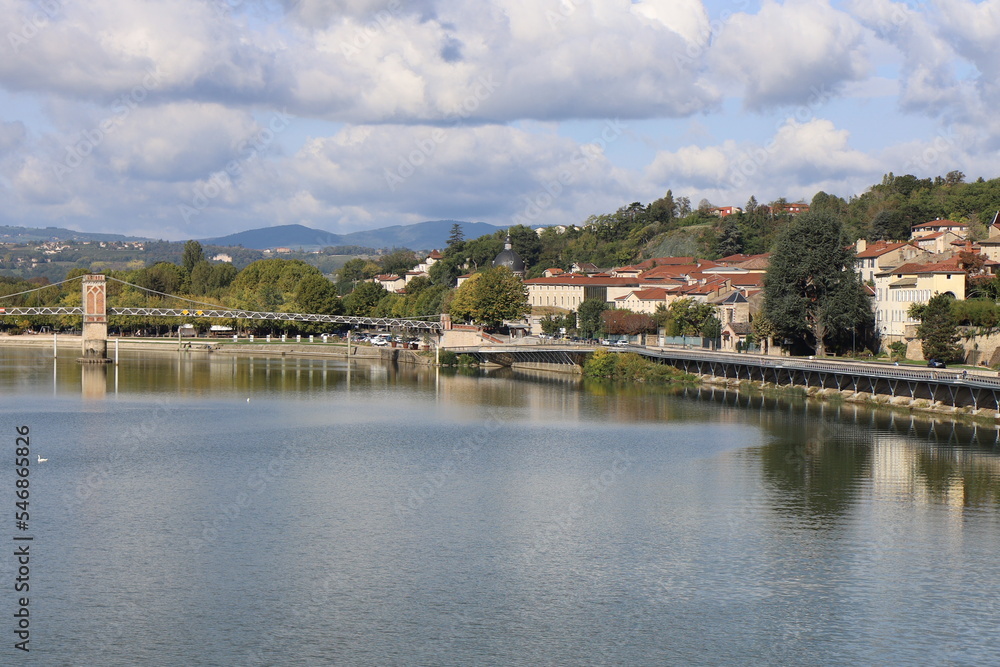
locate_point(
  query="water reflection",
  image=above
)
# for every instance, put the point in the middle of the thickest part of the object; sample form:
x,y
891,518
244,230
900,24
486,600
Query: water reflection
x,y
430,516
817,459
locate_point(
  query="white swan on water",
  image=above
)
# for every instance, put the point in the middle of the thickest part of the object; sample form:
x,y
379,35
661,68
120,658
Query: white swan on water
x,y
41,460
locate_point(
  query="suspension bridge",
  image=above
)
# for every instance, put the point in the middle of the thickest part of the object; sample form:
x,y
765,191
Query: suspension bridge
x,y
95,311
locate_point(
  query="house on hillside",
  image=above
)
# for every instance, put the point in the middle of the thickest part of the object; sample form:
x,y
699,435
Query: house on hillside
x,y
935,226
390,282
870,258
725,211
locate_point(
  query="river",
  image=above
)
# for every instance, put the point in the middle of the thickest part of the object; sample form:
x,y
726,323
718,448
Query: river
x,y
222,510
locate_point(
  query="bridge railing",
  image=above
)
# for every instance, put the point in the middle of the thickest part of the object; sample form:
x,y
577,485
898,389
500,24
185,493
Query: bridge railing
x,y
388,322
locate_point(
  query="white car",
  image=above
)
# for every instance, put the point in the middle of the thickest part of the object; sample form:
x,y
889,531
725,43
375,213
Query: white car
x,y
621,343
378,341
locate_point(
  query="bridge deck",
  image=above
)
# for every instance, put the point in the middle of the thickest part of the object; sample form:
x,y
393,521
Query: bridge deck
x,y
956,388
390,322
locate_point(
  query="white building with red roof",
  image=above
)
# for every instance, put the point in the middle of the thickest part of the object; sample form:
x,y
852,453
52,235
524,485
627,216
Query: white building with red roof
x,y
939,225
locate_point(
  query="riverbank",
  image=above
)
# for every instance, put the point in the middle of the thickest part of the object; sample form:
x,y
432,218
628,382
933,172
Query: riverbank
x,y
68,346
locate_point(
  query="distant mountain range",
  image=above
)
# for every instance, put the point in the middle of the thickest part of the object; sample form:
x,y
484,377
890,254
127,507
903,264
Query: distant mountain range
x,y
10,234
420,236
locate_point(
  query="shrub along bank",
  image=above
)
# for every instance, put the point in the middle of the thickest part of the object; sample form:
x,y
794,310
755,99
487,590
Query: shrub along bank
x,y
631,367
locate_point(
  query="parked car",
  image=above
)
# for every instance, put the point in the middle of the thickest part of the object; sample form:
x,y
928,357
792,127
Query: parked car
x,y
936,363
378,341
621,343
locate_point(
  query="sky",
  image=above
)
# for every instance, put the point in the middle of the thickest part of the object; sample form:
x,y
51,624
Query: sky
x,y
179,119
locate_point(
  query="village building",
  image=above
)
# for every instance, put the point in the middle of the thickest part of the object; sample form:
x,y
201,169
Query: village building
x,y
935,226
390,282
876,256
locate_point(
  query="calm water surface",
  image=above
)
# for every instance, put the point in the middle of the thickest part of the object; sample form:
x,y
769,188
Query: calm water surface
x,y
398,516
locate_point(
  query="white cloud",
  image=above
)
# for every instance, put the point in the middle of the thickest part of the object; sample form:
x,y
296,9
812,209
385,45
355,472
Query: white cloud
x,y
499,79
784,53
799,157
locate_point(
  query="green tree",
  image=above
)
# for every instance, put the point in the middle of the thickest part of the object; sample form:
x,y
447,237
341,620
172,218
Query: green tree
x,y
730,238
938,332
684,317
363,301
193,253
316,294
490,297
398,262
588,317
456,236
270,284
811,289
355,271
526,243
711,328
889,226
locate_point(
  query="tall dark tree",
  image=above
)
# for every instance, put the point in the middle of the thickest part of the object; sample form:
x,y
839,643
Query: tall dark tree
x,y
938,332
889,226
811,290
193,253
730,238
526,243
588,317
456,235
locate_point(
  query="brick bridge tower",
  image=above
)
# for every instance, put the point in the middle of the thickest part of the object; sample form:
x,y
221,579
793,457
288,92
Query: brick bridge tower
x,y
95,319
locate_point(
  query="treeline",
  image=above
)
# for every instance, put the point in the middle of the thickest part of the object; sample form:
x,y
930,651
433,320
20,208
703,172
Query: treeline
x,y
886,211
270,285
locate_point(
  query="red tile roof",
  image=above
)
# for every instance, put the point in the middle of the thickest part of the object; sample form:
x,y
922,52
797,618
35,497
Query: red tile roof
x,y
746,279
879,248
578,279
939,223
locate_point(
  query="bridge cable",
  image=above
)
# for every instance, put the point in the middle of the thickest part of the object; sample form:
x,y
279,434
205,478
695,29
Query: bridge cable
x,y
7,296
211,306
215,306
